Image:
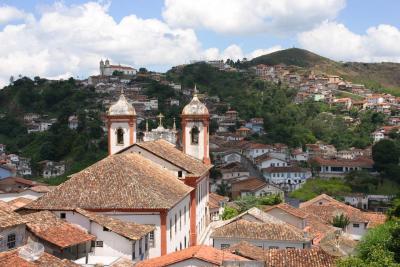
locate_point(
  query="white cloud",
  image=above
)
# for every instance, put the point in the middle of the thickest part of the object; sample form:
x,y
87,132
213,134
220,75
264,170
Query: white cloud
x,y
9,13
68,41
336,41
250,16
235,52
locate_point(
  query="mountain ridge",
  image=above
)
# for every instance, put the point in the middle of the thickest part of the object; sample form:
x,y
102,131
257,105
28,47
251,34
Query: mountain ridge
x,y
384,76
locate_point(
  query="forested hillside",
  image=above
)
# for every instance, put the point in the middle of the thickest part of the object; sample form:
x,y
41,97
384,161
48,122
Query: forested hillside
x,y
59,100
285,122
379,76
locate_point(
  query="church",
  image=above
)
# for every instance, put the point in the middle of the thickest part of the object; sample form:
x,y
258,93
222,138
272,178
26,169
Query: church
x,y
148,182
106,69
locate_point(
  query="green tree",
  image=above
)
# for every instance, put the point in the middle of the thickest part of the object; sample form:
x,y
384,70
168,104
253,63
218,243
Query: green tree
x,y
385,152
229,213
340,221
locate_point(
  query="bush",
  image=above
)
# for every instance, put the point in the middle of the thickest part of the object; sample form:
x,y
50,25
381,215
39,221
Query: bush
x,y
229,213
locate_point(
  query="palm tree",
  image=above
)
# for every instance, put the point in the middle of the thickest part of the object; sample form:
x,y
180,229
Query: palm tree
x,y
340,221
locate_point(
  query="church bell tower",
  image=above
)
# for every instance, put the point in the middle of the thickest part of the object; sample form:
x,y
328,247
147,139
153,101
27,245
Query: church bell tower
x,y
121,122
195,130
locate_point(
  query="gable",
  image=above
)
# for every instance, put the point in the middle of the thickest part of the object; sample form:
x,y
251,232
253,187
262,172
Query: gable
x,y
156,159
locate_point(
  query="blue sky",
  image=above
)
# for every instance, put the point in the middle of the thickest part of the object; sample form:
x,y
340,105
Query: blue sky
x,y
37,35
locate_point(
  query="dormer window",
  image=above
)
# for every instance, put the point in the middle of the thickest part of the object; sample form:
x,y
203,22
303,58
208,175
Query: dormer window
x,y
194,135
120,136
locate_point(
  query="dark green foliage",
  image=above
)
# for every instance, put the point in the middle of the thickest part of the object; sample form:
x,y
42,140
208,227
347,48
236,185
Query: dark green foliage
x,y
56,99
248,202
223,189
292,56
315,187
229,213
117,73
361,181
340,221
385,152
284,121
379,247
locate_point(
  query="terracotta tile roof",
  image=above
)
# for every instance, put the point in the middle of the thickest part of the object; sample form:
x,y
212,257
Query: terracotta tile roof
x,y
5,206
289,209
42,188
327,211
233,167
259,231
204,253
358,162
19,202
337,245
129,230
120,67
285,169
169,152
214,200
317,228
9,218
47,226
313,257
258,146
375,218
323,197
122,181
20,180
262,158
12,258
250,184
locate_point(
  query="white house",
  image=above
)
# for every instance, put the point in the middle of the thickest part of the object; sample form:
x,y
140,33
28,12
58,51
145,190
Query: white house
x,y
254,186
114,237
12,230
266,161
261,230
255,150
288,178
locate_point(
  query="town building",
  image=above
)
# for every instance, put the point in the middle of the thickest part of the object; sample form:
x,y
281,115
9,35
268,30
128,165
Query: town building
x,y
59,238
12,230
288,178
254,186
216,205
261,230
106,69
150,182
339,167
313,257
196,256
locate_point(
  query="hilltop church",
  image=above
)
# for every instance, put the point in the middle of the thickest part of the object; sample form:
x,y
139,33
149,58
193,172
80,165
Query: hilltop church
x,y
149,182
106,69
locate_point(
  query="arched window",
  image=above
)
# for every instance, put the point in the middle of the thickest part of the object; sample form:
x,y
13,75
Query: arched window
x,y
194,135
120,136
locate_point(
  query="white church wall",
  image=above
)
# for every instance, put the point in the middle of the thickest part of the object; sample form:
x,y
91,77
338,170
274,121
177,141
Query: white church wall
x,y
178,234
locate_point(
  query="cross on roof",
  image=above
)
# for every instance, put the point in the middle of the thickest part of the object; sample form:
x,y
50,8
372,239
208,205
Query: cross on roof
x,y
160,117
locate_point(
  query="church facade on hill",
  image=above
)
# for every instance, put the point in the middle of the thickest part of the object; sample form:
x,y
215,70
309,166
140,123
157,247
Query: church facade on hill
x,y
106,69
149,182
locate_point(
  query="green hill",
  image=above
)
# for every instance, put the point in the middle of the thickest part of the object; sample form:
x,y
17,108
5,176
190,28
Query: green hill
x,y
293,56
384,77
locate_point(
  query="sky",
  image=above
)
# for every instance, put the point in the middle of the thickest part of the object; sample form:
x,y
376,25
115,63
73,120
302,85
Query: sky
x,y
61,39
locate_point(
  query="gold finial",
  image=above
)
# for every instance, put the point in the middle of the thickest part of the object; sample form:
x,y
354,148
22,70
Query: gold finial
x,y
160,117
174,125
195,90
